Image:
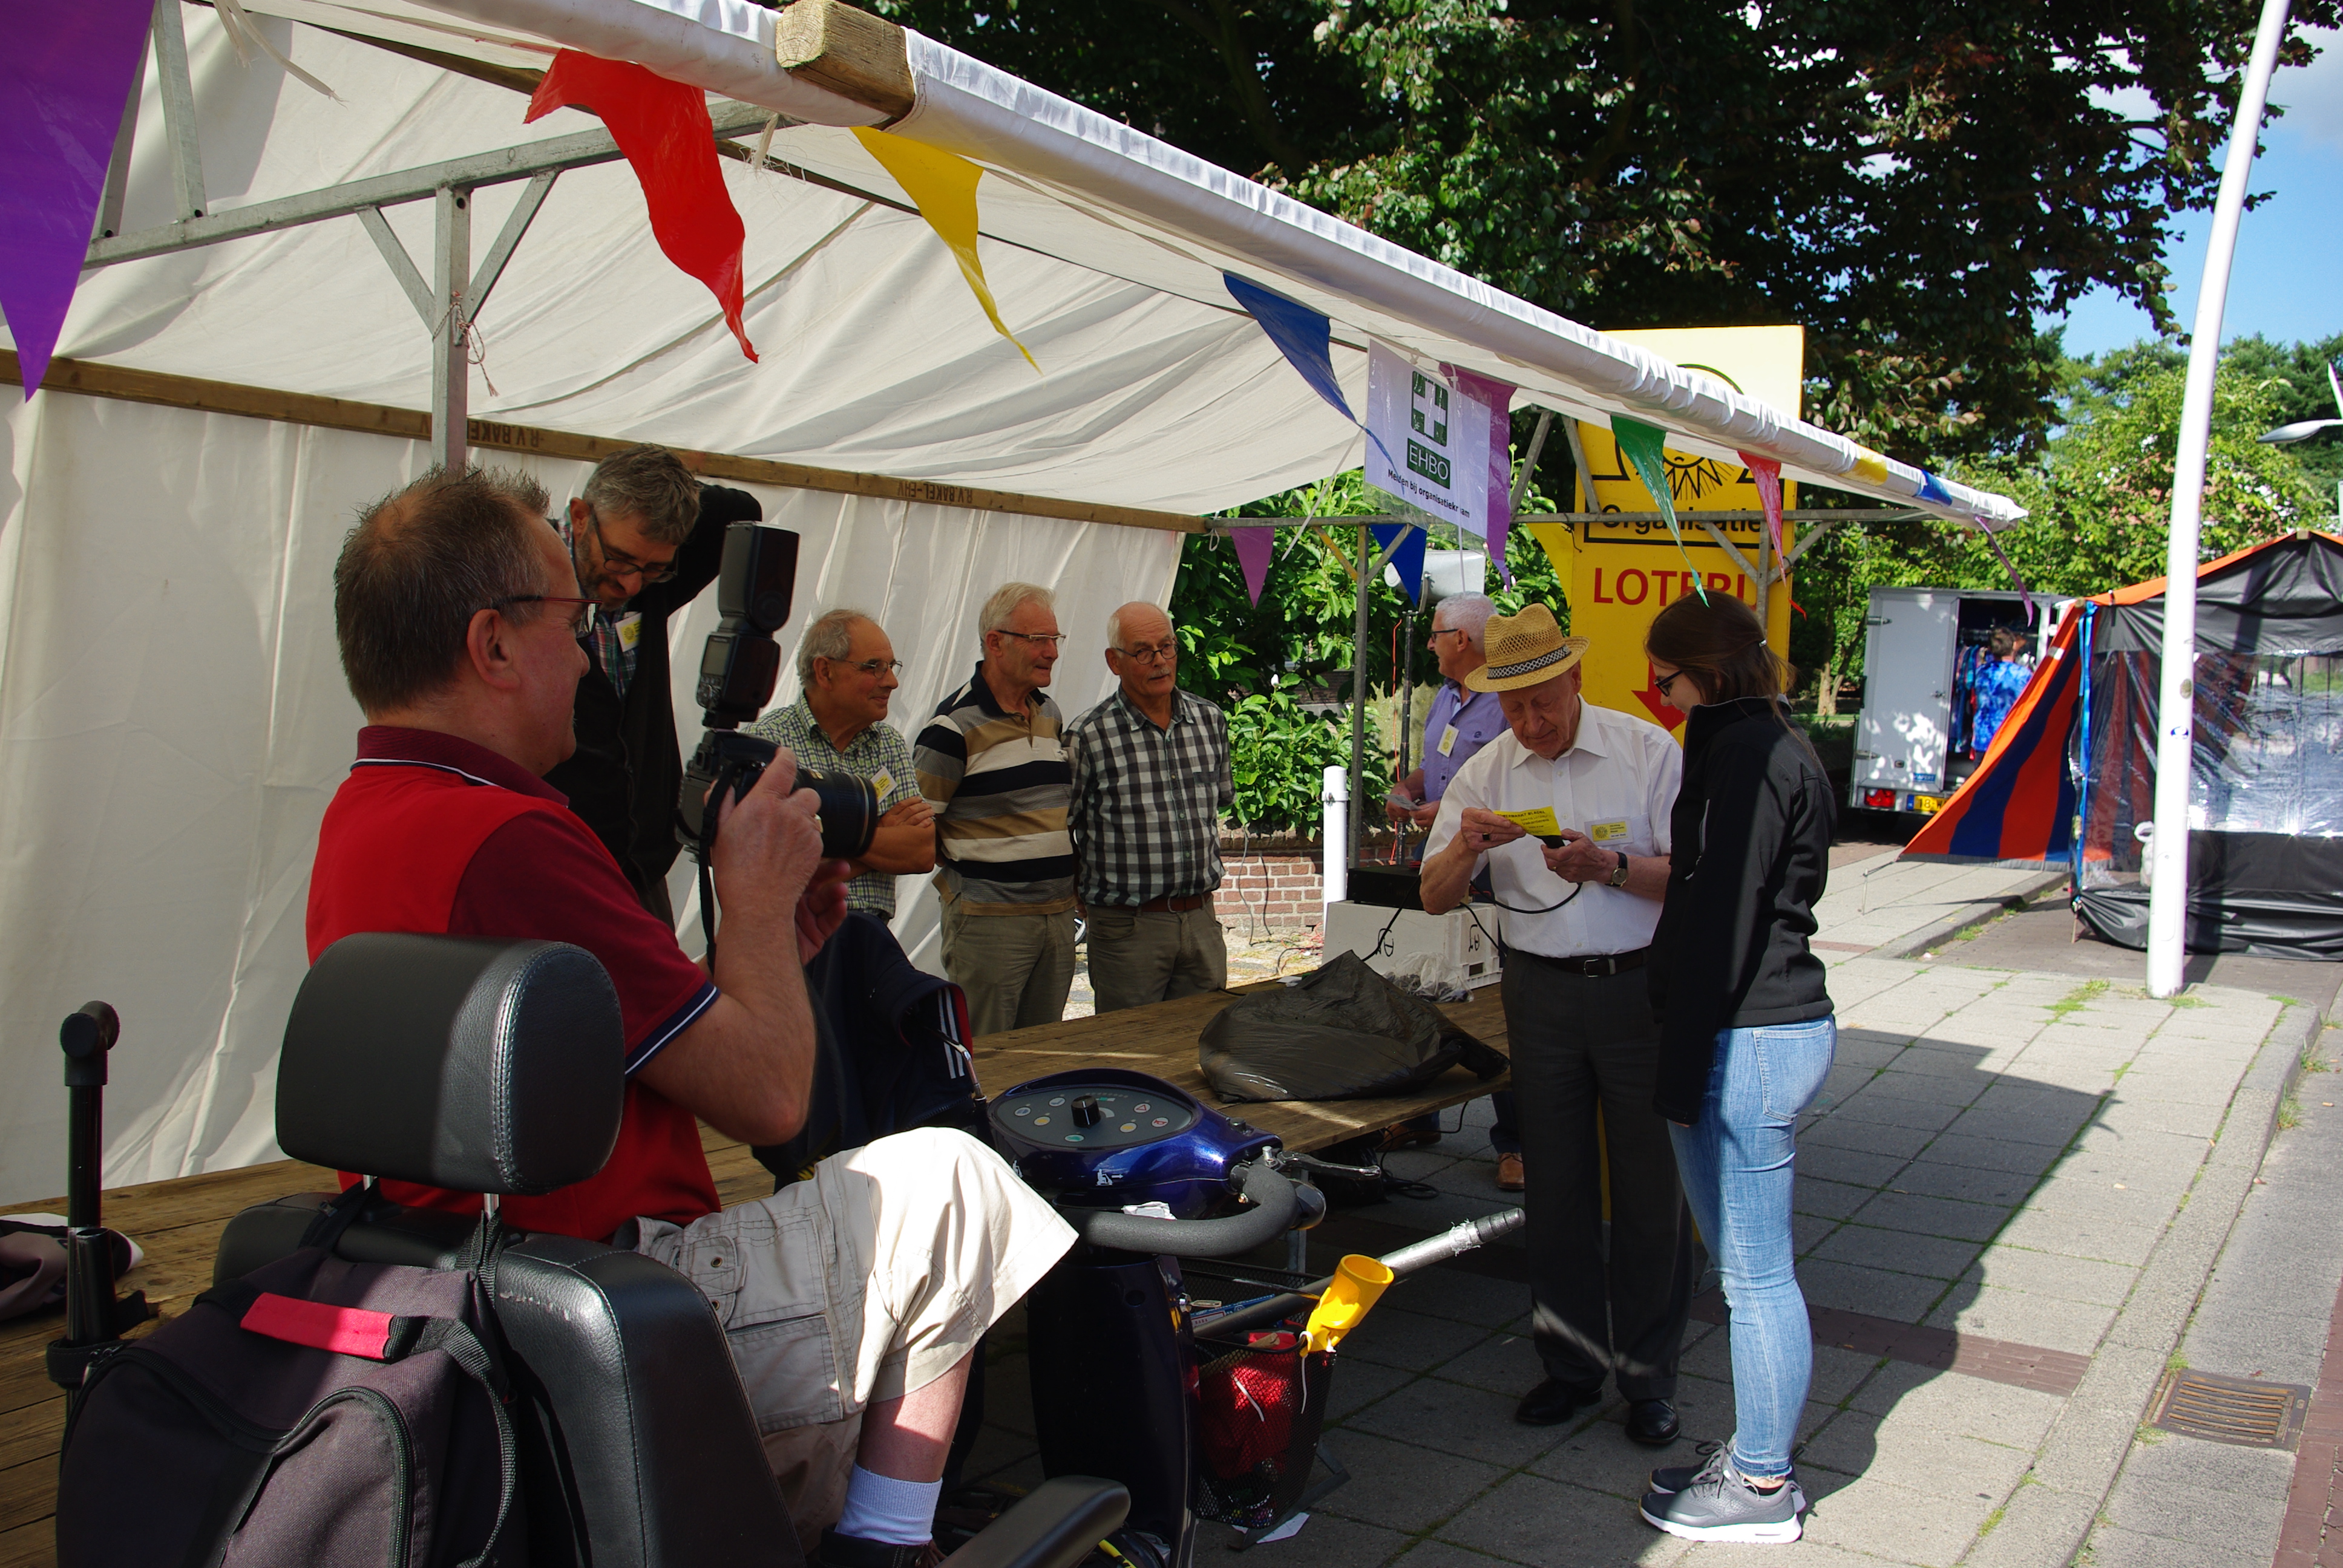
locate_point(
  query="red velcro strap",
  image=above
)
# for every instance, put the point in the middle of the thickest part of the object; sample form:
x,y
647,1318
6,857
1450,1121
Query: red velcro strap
x,y
345,1331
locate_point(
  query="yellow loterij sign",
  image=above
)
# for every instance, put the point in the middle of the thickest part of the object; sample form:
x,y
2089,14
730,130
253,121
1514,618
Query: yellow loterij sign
x,y
1621,574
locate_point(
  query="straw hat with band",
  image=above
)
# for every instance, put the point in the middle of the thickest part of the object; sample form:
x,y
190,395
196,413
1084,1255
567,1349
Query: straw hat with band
x,y
1524,649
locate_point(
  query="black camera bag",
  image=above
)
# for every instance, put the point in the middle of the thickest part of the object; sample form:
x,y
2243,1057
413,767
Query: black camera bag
x,y
315,1412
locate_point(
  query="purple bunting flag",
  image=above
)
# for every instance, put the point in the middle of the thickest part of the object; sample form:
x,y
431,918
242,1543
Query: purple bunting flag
x,y
1499,396
1255,548
65,72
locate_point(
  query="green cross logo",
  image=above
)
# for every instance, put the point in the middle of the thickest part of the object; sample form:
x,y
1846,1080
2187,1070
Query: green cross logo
x,y
1427,412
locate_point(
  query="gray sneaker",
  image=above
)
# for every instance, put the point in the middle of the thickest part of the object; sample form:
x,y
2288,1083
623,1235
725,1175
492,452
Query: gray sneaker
x,y
1674,1478
1717,1504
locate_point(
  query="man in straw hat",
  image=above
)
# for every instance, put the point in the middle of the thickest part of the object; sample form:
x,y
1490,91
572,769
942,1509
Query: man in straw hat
x,y
1569,811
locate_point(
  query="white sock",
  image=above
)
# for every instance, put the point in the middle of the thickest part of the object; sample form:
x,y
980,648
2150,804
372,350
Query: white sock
x,y
895,1513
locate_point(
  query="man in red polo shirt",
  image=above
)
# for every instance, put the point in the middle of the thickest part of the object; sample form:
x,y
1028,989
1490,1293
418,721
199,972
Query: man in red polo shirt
x,y
851,1300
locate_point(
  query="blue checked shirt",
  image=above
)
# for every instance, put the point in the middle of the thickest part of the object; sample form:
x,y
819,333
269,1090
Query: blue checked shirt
x,y
880,754
1146,802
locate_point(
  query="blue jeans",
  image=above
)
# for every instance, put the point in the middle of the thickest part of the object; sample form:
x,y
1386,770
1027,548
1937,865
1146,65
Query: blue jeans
x,y
1738,1162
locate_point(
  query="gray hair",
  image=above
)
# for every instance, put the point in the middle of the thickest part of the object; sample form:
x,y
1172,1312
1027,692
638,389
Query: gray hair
x,y
420,564
649,483
1468,613
1005,600
1114,623
829,637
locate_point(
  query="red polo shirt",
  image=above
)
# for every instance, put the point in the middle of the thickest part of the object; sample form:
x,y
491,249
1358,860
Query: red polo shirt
x,y
431,833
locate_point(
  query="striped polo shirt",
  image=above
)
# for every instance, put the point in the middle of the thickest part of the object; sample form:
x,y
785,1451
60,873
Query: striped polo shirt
x,y
1000,786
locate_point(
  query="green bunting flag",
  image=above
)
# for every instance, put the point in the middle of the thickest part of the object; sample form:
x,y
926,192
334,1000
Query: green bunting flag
x,y
1642,444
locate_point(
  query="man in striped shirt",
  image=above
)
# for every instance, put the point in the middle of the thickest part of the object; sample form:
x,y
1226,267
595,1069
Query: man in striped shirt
x,y
1151,774
992,765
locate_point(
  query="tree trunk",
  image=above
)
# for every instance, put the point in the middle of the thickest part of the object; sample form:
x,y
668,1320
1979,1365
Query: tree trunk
x,y
1826,694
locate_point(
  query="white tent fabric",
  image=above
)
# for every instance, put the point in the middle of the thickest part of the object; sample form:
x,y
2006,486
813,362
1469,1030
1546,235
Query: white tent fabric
x,y
172,716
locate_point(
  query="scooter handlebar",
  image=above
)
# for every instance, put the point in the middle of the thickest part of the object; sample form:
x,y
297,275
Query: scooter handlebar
x,y
1274,1202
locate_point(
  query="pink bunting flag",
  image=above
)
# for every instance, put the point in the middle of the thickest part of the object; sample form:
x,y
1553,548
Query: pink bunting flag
x,y
1766,474
1256,547
65,72
1499,396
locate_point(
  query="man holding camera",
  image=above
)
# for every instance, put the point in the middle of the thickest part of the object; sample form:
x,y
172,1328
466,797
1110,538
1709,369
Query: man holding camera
x,y
1151,775
846,671
992,765
892,1259
644,539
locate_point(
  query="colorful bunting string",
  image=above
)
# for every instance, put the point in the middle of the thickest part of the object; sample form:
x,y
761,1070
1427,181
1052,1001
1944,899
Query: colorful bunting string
x,y
943,187
1408,561
1254,549
1766,474
663,129
1305,337
1643,445
1499,396
65,75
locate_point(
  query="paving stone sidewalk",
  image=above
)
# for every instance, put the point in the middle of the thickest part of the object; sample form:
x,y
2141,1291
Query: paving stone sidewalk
x,y
2010,1192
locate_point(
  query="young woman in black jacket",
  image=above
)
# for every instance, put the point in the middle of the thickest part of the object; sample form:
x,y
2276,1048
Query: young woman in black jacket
x,y
1746,1036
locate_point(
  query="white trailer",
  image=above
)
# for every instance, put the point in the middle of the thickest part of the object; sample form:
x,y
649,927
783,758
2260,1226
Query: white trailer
x,y
1908,757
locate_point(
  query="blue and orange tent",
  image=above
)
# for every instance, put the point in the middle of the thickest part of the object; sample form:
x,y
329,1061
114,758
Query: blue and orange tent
x,y
2068,783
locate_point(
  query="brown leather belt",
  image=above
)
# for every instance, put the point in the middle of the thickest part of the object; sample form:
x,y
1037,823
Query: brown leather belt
x,y
1594,966
1171,905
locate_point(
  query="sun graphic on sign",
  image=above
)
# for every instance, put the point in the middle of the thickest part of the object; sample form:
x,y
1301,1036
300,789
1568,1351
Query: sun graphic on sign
x,y
1691,478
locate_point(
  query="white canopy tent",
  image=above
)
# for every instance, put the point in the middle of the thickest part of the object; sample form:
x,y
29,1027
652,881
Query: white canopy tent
x,y
172,713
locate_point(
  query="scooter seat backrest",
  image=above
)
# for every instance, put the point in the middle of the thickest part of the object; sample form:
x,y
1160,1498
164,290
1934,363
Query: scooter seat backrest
x,y
463,1062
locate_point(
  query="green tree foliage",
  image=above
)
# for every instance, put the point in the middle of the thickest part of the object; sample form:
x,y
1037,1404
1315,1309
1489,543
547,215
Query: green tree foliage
x,y
1912,181
1278,752
2099,493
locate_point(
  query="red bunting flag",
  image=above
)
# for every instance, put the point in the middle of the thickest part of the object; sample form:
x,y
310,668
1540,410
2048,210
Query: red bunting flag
x,y
663,129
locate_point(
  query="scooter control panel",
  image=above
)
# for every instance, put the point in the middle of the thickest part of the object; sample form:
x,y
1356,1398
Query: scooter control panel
x,y
1093,1116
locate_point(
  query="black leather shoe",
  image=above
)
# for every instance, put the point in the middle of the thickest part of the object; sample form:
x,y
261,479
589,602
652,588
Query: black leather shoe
x,y
1652,1422
1553,1403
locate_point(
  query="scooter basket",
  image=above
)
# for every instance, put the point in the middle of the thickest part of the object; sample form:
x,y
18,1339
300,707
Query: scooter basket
x,y
1261,1405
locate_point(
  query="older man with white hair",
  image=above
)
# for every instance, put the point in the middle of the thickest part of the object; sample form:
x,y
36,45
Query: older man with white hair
x,y
1151,775
992,765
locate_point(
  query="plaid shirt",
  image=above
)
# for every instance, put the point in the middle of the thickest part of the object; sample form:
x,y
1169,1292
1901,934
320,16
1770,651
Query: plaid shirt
x,y
611,636
1147,801
879,753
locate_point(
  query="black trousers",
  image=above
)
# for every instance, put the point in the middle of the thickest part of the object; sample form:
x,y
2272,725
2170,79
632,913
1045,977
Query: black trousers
x,y
1578,1042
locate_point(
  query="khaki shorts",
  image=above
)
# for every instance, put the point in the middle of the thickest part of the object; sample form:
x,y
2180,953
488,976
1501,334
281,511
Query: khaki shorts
x,y
865,1282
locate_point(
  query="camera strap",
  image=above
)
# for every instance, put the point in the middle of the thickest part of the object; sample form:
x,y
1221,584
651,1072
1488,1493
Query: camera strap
x,y
727,774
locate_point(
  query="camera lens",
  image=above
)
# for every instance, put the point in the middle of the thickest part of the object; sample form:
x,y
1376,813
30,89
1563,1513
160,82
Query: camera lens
x,y
849,812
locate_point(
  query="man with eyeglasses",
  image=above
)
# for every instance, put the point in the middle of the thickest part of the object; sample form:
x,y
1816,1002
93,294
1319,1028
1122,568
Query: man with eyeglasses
x,y
846,670
644,539
1151,776
992,764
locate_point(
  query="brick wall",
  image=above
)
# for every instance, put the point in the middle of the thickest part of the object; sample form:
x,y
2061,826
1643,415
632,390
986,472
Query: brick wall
x,y
1274,886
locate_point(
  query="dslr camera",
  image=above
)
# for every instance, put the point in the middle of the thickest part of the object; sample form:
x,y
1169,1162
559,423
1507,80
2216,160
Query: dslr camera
x,y
737,670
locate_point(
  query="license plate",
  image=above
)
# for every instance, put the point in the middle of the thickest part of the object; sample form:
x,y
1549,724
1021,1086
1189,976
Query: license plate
x,y
1930,804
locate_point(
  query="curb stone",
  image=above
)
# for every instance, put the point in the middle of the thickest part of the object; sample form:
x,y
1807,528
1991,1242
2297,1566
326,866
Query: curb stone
x,y
2051,1514
1912,943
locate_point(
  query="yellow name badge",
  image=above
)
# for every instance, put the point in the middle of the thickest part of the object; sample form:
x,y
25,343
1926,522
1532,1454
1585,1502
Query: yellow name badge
x,y
882,781
1448,741
630,631
1538,822
1604,832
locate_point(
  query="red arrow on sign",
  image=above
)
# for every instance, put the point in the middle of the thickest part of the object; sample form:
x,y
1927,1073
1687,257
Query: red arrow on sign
x,y
1663,714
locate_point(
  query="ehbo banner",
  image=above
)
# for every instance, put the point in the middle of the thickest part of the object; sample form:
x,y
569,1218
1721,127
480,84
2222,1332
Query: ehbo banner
x,y
1431,439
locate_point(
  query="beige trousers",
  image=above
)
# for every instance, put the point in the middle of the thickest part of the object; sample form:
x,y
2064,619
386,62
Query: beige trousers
x,y
1138,958
1016,970
871,1279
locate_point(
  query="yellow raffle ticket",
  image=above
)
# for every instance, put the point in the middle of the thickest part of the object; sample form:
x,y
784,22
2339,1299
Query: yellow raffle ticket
x,y
1538,821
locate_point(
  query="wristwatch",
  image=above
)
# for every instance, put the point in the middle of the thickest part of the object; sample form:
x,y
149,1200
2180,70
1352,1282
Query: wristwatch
x,y
1618,879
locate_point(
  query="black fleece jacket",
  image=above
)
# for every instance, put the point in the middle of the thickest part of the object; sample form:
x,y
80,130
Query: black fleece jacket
x,y
624,776
1751,834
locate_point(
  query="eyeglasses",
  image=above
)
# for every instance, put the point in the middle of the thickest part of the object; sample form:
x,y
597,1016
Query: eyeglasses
x,y
1039,638
579,619
620,561
1447,631
873,667
1160,653
1661,683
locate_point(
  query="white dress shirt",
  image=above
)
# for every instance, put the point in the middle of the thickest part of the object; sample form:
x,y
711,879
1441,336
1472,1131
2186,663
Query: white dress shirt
x,y
1616,784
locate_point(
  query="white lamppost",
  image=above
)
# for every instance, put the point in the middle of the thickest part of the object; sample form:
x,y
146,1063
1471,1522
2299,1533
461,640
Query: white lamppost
x,y
2168,907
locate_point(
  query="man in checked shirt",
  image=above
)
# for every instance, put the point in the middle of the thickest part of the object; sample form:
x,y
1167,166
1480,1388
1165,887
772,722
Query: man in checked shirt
x,y
1151,773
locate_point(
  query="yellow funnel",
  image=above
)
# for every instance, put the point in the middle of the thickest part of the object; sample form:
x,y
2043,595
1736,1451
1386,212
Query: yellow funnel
x,y
1359,1281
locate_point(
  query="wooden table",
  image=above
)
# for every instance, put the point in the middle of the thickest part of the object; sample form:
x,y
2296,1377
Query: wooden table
x,y
178,1221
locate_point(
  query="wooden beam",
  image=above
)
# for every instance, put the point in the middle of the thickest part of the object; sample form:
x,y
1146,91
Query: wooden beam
x,y
128,386
849,52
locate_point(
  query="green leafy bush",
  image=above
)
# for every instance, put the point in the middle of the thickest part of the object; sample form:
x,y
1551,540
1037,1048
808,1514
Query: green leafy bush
x,y
1278,755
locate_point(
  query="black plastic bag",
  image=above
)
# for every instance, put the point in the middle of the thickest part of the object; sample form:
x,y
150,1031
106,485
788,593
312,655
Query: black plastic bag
x,y
1343,1033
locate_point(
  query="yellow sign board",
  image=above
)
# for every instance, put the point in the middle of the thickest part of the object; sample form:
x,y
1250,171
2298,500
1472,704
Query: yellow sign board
x,y
1619,575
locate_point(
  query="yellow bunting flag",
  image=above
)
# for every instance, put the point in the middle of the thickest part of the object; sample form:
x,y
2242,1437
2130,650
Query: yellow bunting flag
x,y
943,186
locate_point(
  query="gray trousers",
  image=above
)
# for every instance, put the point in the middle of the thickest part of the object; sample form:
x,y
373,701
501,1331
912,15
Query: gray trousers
x,y
1137,958
1578,1042
1015,969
